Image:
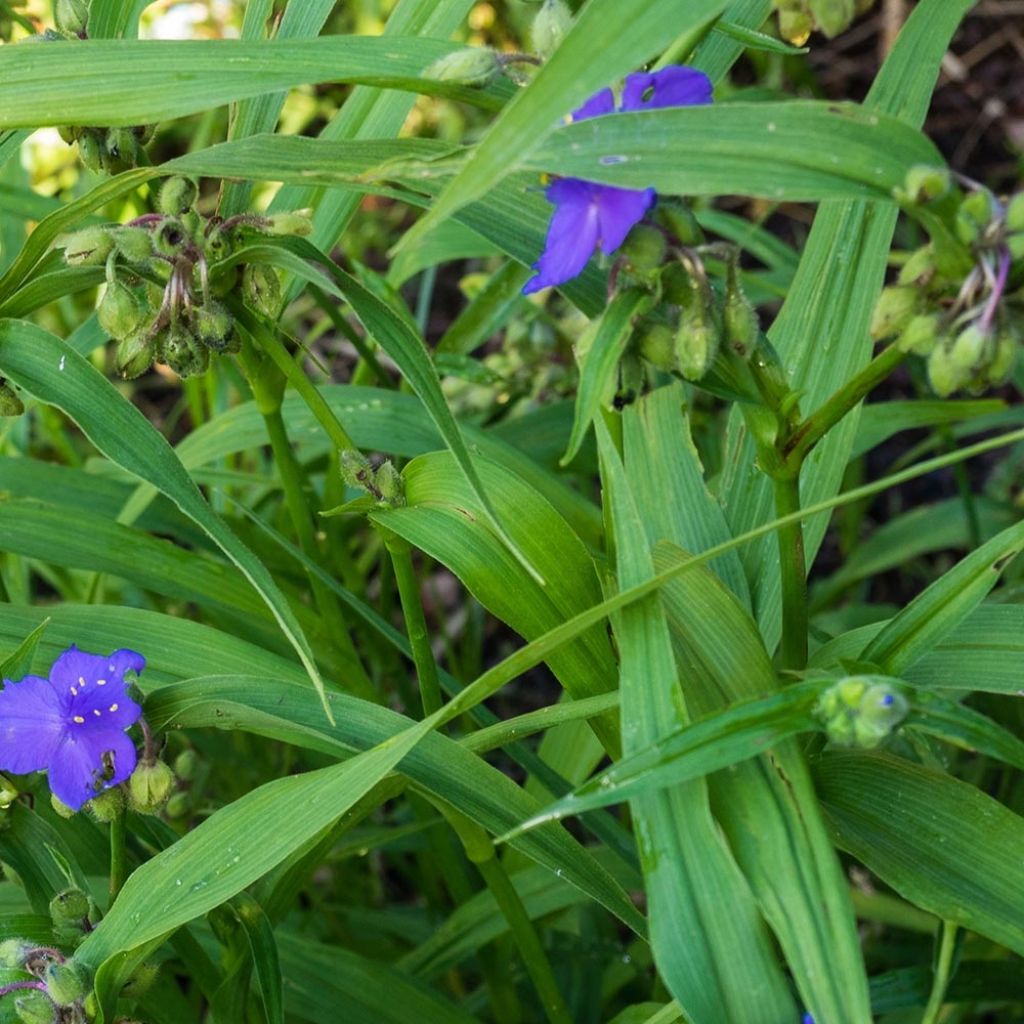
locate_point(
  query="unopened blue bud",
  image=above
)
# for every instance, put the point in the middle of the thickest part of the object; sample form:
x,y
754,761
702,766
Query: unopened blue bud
x,y
860,711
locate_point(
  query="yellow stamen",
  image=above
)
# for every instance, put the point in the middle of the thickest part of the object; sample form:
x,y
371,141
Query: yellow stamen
x,y
78,719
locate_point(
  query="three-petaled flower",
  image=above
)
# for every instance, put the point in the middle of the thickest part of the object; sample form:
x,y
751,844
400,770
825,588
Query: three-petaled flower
x,y
73,724
590,216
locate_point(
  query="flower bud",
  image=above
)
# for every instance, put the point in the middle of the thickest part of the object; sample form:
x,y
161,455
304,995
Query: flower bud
x,y
476,67
178,805
10,403
678,220
72,906
795,26
135,354
134,244
90,149
35,1008
697,341
106,806
150,786
71,15
355,468
89,247
14,953
1004,359
390,485
1015,245
141,981
550,27
919,268
122,150
1015,213
832,16
921,335
184,354
974,215
972,350
944,375
739,316
656,342
170,238
65,983
61,809
297,222
213,326
644,249
185,765
924,184
860,711
893,311
677,286
68,133
177,195
261,289
120,313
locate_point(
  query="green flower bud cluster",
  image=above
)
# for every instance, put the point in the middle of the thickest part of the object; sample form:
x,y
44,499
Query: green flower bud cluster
x,y
162,301
384,484
961,314
798,18
60,988
861,711
70,912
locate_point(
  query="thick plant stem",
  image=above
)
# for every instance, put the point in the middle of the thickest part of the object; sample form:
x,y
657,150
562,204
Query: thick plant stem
x,y
942,973
832,410
415,622
118,853
793,569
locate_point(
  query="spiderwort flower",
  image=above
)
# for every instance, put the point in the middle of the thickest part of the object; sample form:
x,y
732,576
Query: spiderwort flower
x,y
73,724
589,215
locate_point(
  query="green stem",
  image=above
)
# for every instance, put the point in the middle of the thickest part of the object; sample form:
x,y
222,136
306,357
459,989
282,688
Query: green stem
x,y
415,622
480,850
848,397
118,853
940,981
793,570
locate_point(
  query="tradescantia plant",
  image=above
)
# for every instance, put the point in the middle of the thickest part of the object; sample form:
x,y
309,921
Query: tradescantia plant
x,y
415,601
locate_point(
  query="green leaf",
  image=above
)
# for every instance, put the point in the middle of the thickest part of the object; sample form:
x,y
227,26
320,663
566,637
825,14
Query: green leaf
x,y
966,728
736,733
880,421
956,852
604,343
725,967
128,82
46,368
821,332
19,662
625,35
792,150
943,605
259,933
757,41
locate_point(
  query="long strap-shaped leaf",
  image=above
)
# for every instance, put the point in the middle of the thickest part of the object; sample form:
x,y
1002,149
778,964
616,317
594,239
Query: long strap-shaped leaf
x,y
822,331
51,371
709,943
625,35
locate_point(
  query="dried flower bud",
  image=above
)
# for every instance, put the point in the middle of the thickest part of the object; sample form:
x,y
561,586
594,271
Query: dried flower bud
x,y
88,247
177,195
150,786
476,67
896,305
120,313
261,289
550,27
860,711
65,983
71,16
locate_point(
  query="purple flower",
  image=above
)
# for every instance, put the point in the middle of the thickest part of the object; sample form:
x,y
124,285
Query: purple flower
x,y
73,724
590,216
